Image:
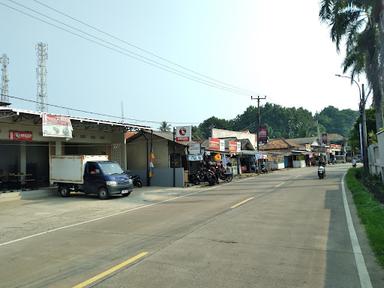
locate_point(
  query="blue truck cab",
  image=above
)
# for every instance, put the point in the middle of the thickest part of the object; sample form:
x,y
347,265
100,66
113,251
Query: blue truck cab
x,y
103,178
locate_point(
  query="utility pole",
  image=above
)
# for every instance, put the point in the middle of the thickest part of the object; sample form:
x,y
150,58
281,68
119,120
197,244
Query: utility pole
x,y
41,73
4,61
258,98
174,156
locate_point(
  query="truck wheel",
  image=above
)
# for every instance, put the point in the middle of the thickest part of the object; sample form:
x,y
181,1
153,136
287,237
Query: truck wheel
x,y
64,191
103,193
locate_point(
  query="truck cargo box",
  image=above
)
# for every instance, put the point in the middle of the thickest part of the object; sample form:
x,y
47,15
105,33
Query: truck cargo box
x,y
70,169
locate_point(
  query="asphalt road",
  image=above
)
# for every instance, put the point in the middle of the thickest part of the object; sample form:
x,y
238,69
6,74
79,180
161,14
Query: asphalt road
x,y
284,229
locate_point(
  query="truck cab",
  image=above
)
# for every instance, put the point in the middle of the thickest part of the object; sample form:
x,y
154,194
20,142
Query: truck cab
x,y
106,178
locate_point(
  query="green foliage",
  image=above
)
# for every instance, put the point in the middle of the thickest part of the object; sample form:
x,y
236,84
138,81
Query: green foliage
x,y
165,127
283,122
354,136
370,211
213,122
337,121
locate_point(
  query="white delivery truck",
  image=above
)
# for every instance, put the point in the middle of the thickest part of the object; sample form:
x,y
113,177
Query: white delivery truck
x,y
91,174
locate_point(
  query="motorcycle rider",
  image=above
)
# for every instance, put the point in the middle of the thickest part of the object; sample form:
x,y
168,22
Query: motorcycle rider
x,y
354,162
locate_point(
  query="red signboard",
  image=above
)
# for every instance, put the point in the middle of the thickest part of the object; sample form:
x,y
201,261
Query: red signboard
x,y
232,146
20,135
214,144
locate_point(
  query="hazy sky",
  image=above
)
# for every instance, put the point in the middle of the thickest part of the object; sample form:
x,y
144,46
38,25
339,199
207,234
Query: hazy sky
x,y
275,48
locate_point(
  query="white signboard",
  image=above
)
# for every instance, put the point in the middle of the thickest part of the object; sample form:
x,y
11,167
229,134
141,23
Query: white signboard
x,y
57,126
238,147
222,145
195,157
183,133
194,148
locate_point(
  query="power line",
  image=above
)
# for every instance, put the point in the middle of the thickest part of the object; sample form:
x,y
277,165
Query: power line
x,y
94,113
137,47
124,51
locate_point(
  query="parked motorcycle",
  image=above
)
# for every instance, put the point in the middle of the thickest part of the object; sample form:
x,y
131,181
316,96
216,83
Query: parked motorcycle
x,y
225,175
137,181
321,172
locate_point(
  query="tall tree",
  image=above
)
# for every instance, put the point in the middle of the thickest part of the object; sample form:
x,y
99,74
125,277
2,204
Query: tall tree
x,y
357,22
165,126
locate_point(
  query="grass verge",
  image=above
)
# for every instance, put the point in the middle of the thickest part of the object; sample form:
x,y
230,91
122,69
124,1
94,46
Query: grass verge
x,y
370,211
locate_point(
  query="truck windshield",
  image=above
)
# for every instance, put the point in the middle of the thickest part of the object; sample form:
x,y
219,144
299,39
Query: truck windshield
x,y
110,168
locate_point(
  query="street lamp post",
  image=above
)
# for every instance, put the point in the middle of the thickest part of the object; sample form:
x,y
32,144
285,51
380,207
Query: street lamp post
x,y
363,119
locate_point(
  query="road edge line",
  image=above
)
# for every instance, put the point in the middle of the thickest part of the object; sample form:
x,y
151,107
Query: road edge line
x,y
365,280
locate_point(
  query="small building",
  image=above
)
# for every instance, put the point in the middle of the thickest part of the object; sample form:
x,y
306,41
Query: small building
x,y
152,155
281,150
26,148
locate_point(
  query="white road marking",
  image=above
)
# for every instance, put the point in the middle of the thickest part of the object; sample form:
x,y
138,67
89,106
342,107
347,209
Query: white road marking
x,y
100,218
242,202
365,280
278,185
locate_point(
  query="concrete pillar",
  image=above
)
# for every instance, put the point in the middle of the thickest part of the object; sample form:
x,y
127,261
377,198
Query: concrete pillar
x,y
59,148
23,161
23,158
123,160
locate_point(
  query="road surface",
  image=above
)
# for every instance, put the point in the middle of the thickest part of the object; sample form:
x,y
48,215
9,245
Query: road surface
x,y
283,229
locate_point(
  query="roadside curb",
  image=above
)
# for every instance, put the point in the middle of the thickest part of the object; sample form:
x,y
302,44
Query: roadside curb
x,y
28,194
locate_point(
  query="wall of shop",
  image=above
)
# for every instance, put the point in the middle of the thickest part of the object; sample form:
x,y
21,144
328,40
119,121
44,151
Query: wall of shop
x,y
162,177
137,153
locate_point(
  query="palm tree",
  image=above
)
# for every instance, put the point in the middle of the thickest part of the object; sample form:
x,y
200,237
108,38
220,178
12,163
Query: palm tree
x,y
358,23
165,126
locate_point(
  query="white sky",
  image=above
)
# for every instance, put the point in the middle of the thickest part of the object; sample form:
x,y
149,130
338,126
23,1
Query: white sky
x,y
276,48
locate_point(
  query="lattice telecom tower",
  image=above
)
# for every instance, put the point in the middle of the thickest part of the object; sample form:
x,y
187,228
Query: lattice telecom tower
x,y
41,73
4,61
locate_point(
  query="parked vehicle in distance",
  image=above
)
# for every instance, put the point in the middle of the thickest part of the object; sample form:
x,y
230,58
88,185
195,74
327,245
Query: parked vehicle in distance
x,y
89,174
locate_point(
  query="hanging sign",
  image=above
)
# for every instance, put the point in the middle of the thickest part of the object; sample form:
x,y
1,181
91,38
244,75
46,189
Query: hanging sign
x,y
57,126
263,135
183,134
195,158
238,146
222,145
20,135
194,148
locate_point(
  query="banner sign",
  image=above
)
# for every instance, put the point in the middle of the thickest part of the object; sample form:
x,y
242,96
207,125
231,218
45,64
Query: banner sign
x,y
214,144
183,134
57,126
263,135
335,147
20,135
232,146
194,148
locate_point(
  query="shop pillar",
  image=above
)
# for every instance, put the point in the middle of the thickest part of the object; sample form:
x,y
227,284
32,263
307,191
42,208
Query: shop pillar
x,y
23,159
59,148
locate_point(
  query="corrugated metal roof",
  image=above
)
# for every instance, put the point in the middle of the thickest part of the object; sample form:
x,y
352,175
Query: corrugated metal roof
x,y
75,118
